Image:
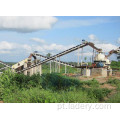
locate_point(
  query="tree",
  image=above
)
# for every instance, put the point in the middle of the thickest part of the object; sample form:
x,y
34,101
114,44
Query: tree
x,y
85,58
48,55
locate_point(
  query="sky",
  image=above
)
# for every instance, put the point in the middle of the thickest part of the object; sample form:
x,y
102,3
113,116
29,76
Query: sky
x,y
20,36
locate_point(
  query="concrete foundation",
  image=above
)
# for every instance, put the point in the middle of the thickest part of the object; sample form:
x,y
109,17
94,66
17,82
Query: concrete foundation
x,y
109,72
86,72
99,72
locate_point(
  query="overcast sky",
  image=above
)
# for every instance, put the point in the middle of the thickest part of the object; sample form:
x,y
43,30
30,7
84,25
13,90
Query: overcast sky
x,y
19,36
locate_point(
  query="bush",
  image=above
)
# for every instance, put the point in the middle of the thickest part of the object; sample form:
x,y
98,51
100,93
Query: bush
x,y
98,93
114,99
36,95
48,88
114,82
115,64
91,83
58,82
23,81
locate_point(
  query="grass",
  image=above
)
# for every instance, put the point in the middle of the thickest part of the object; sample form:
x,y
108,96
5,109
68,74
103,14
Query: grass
x,y
37,95
115,82
115,65
115,98
49,88
46,68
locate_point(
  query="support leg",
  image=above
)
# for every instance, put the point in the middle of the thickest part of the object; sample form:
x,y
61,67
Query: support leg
x,y
81,56
31,71
25,66
55,65
40,69
50,67
93,56
65,69
59,64
34,70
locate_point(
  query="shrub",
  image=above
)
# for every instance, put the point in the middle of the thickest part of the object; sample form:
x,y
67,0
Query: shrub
x,y
91,83
114,99
48,88
36,95
114,82
98,93
58,82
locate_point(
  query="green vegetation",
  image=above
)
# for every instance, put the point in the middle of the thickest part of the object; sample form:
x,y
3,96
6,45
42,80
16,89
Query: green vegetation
x,y
48,88
55,88
46,68
115,82
116,97
115,64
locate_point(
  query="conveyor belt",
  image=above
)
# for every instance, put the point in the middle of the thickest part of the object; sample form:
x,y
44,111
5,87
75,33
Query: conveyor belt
x,y
5,64
3,68
61,54
117,51
61,62
57,55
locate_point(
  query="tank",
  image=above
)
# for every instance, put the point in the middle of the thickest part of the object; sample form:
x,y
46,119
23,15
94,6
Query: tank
x,y
100,57
107,61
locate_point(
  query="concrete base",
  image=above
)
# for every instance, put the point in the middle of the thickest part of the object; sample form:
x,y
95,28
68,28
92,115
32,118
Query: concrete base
x,y
109,72
99,72
86,72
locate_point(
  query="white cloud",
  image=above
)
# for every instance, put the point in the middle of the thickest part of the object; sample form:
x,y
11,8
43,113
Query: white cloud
x,y
26,24
107,47
27,48
38,40
52,48
4,52
45,47
87,53
23,50
79,23
93,38
4,45
118,41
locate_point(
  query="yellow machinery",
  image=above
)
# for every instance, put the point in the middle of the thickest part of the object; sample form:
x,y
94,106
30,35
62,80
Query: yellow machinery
x,y
20,65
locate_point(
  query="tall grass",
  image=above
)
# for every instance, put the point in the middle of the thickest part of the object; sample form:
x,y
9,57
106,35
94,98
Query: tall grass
x,y
37,95
115,98
48,88
115,82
